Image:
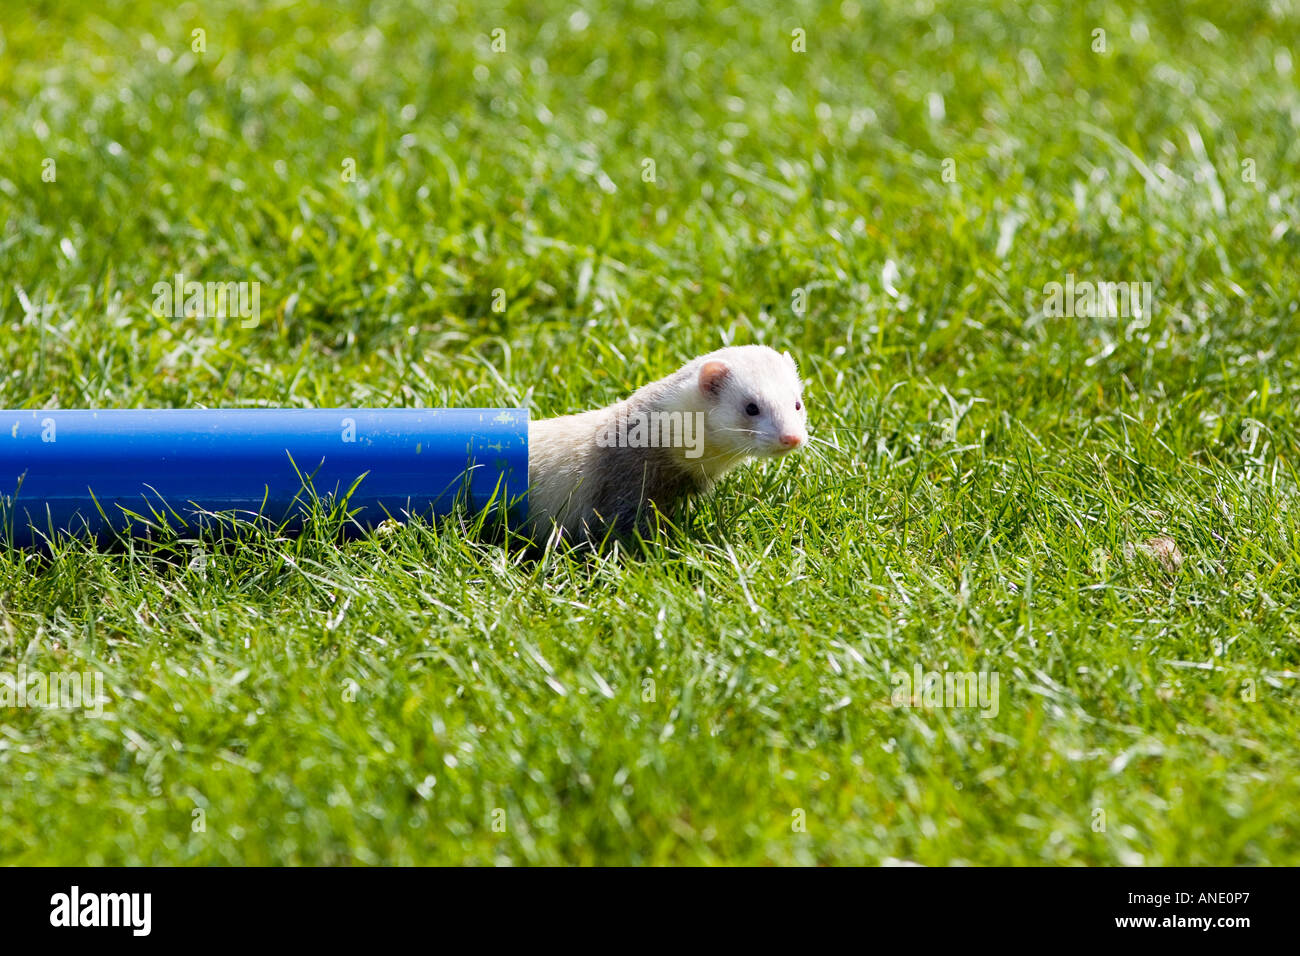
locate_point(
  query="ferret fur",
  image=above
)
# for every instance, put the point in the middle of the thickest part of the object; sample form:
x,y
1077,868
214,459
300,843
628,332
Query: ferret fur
x,y
581,490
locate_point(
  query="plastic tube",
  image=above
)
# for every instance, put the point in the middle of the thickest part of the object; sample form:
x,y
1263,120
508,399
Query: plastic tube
x,y
94,472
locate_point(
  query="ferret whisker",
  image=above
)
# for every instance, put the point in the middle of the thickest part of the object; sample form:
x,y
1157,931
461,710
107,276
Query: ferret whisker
x,y
822,441
818,454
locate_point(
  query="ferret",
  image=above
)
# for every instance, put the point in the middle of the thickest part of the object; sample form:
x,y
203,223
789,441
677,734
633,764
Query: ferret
x,y
599,471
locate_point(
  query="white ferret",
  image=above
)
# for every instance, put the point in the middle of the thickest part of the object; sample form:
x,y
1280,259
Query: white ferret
x,y
599,470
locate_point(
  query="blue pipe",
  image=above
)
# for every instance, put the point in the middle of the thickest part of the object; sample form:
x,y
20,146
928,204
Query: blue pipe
x,y
100,472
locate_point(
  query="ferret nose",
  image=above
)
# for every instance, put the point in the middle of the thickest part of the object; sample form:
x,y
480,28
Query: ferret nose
x,y
791,441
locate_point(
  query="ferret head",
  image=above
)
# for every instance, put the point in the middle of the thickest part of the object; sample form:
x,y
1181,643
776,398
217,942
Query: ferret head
x,y
753,402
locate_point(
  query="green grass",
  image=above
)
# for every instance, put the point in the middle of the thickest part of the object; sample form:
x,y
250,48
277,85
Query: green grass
x,y
985,479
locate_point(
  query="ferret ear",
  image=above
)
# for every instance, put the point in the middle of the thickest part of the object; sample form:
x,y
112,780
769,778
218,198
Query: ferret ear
x,y
790,358
712,374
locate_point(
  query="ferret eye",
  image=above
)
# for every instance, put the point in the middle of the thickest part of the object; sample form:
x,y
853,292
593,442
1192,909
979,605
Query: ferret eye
x,y
798,406
751,409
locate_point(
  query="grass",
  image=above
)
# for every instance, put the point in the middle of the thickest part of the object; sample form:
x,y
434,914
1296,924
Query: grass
x,y
986,483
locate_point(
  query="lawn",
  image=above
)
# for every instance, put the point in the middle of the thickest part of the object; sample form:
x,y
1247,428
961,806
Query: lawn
x,y
543,204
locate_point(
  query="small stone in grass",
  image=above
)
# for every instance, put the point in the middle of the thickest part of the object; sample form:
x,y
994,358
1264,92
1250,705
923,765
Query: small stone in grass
x,y
1165,550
